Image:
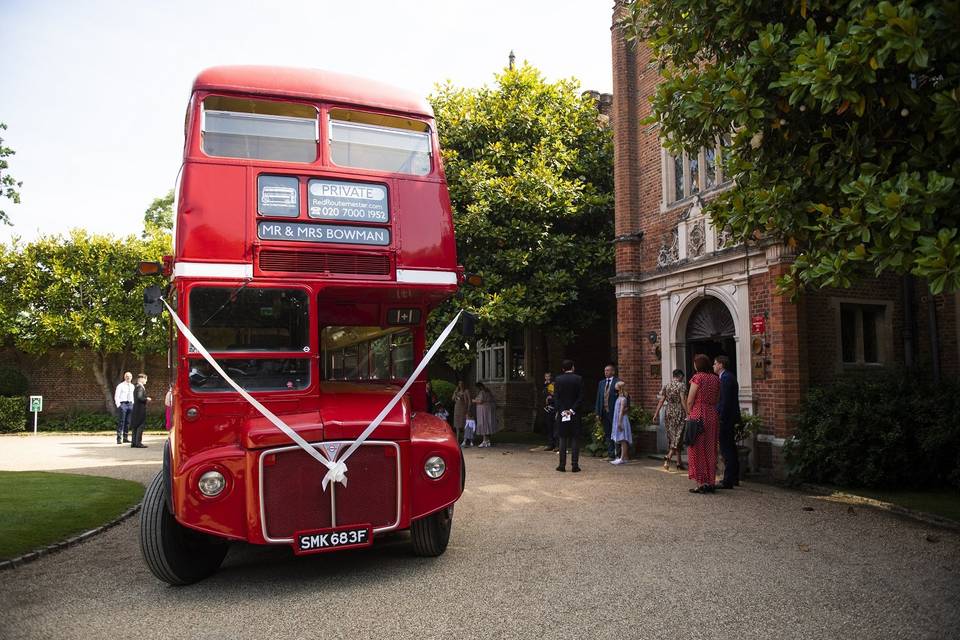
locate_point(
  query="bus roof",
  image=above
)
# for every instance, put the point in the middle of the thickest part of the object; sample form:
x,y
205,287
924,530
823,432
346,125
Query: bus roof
x,y
313,84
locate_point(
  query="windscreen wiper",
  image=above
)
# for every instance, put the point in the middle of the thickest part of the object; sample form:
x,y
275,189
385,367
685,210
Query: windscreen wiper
x,y
230,300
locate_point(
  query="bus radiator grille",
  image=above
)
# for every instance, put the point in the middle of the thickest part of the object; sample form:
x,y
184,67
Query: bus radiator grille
x,y
294,500
316,262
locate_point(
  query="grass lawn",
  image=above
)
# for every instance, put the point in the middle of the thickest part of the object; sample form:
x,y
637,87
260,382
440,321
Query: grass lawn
x,y
39,508
944,502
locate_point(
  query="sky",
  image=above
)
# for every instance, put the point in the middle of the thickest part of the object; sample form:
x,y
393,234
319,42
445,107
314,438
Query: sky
x,y
94,92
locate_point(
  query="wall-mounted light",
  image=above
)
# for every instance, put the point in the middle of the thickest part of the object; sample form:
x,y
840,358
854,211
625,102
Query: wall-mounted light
x,y
652,337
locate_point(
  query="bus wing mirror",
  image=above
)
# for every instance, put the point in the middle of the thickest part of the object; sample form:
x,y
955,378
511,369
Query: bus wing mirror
x,y
468,325
151,301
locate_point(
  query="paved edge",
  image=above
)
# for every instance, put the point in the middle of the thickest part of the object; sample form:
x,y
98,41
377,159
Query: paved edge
x,y
921,516
69,542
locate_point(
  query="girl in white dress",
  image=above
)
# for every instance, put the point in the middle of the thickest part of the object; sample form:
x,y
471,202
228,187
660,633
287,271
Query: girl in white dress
x,y
621,432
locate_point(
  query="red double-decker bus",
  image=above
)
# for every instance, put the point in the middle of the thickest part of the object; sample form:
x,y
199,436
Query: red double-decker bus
x,y
313,236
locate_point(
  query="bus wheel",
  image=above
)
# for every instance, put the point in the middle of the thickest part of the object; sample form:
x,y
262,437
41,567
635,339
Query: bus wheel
x,y
430,535
175,554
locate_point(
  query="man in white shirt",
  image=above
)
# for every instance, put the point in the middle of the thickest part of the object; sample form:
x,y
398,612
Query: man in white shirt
x,y
123,398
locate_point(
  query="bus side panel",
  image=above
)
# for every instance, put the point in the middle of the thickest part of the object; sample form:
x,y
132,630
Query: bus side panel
x,y
212,214
425,226
431,436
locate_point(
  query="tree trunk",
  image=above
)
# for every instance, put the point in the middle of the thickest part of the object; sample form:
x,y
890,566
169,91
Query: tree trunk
x,y
108,370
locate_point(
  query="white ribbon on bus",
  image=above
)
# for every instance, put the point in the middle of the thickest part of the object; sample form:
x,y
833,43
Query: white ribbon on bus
x,y
336,469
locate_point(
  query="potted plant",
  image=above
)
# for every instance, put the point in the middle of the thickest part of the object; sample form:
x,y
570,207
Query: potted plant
x,y
744,431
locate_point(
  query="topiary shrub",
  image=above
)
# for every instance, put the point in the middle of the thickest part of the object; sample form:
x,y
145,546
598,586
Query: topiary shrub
x,y
12,382
889,432
13,414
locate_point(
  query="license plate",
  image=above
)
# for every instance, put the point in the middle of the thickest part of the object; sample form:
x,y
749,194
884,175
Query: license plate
x,y
320,540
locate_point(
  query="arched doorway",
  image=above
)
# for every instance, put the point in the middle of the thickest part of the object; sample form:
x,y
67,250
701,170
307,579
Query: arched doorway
x,y
710,331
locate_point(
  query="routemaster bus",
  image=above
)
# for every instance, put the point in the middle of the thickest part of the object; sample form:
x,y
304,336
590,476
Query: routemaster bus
x,y
313,236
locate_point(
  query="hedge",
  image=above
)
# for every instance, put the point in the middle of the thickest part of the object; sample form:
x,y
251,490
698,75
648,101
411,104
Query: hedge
x,y
13,414
892,432
89,421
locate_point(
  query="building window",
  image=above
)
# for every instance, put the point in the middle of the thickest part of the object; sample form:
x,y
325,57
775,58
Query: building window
x,y
862,331
688,174
502,361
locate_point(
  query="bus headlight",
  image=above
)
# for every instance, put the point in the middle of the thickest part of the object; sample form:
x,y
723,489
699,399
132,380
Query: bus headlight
x,y
435,466
211,483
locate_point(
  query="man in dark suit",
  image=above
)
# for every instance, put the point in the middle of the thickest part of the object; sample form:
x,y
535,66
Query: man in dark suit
x,y
729,410
139,418
606,399
567,396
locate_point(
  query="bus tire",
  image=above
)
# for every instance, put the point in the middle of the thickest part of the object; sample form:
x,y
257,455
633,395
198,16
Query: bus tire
x,y
173,553
431,534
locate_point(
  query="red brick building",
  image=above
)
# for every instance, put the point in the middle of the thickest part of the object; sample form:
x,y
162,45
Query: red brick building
x,y
682,287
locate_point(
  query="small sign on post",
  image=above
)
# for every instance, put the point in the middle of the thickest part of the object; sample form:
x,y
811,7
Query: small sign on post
x,y
36,406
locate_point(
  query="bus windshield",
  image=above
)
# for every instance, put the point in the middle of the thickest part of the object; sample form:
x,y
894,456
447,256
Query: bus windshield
x,y
250,319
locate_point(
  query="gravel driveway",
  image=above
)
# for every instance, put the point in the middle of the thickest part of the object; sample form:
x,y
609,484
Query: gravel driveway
x,y
614,552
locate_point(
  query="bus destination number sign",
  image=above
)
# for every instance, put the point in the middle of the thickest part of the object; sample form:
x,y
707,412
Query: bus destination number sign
x,y
403,316
324,233
355,201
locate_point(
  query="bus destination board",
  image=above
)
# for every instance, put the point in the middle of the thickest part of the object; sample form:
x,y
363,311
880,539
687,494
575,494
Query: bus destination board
x,y
354,201
325,233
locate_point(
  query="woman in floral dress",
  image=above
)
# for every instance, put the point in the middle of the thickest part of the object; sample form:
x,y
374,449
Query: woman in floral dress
x,y
702,401
674,396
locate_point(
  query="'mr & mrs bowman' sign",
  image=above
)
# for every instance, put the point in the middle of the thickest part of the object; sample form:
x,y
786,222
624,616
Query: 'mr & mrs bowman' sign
x,y
327,233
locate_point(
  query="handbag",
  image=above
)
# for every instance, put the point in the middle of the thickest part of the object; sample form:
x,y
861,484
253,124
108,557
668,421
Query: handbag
x,y
692,431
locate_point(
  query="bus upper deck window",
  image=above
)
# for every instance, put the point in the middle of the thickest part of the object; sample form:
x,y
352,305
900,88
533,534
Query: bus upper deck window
x,y
259,129
379,142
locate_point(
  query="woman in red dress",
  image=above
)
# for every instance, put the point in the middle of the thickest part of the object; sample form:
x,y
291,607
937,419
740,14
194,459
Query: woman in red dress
x,y
702,400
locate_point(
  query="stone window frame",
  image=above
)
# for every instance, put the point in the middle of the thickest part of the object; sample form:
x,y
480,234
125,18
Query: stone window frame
x,y
884,332
669,200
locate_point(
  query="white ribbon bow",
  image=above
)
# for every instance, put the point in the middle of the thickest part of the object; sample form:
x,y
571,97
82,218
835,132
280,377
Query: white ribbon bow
x,y
336,470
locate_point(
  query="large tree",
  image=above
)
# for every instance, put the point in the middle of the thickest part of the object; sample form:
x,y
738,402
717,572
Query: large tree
x,y
8,184
529,165
845,117
80,292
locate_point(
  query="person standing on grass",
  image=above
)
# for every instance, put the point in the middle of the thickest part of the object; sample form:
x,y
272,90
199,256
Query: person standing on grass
x,y
486,422
123,398
567,397
139,419
702,401
621,432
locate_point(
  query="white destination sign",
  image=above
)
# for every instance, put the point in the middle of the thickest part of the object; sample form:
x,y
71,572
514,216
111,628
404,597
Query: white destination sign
x,y
327,233
358,201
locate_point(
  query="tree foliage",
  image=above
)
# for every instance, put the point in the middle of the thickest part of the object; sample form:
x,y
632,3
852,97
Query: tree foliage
x,y
158,218
529,168
80,291
8,184
846,121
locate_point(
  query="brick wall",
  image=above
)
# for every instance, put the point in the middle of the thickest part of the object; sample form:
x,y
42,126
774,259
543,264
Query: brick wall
x,y
64,378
